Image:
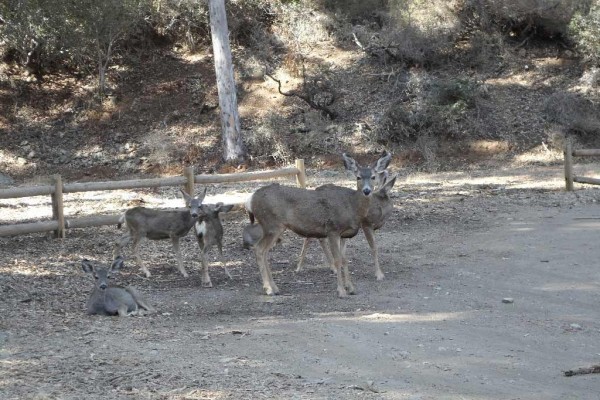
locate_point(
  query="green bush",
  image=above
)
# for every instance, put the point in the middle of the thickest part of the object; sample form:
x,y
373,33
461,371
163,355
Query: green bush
x,y
585,31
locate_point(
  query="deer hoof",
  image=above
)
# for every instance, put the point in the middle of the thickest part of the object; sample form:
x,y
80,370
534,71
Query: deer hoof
x,y
380,276
271,291
342,293
207,284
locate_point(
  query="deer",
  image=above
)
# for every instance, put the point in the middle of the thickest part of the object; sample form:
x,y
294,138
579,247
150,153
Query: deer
x,y
112,300
379,210
143,222
314,214
209,232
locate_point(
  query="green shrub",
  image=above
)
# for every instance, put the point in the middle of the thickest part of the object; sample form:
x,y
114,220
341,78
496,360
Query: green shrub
x,y
585,31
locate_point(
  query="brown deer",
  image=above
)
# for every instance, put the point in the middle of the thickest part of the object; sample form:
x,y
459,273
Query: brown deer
x,y
209,232
154,224
314,214
112,300
379,210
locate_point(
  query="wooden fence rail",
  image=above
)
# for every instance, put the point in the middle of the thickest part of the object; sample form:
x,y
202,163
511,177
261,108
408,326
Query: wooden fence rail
x,y
60,223
570,178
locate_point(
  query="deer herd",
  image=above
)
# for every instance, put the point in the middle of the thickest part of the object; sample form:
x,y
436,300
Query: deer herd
x,y
329,213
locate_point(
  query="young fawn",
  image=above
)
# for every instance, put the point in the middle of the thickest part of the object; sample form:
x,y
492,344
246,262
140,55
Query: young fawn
x,y
209,232
112,300
154,224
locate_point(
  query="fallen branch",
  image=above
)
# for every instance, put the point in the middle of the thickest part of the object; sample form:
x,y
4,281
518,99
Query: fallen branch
x,y
594,369
304,97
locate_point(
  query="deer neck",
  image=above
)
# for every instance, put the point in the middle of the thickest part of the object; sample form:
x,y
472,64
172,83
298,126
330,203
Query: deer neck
x,y
363,203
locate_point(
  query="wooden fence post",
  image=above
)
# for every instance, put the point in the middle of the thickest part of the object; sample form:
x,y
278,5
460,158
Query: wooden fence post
x,y
58,212
301,176
569,165
189,184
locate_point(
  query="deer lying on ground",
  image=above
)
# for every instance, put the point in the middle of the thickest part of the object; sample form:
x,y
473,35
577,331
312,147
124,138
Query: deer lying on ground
x,y
112,300
209,232
379,210
314,214
154,224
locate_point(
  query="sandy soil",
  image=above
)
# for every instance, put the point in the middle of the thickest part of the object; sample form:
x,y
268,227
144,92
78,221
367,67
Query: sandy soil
x,y
435,328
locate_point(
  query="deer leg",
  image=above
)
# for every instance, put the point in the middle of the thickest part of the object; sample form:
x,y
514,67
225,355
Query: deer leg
x,y
140,301
262,249
175,241
122,310
206,282
119,244
371,240
302,254
347,282
220,247
334,244
135,250
328,254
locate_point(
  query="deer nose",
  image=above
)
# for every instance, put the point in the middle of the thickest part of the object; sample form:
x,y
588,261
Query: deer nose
x,y
367,191
103,286
194,215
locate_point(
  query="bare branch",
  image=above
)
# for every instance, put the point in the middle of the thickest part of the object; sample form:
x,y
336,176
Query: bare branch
x,y
306,98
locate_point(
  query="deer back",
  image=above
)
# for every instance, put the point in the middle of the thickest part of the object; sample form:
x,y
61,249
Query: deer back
x,y
310,213
159,224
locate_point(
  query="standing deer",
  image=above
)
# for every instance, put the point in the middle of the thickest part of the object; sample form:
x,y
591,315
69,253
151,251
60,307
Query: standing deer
x,y
209,232
314,214
112,300
153,224
379,210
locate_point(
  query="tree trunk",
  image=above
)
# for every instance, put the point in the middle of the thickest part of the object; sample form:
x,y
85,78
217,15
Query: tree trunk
x,y
233,146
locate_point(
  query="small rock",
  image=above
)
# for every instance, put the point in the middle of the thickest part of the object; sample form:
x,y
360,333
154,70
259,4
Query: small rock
x,y
576,327
508,300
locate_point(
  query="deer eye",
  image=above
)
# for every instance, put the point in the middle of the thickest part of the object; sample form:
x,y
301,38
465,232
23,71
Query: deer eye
x,y
358,178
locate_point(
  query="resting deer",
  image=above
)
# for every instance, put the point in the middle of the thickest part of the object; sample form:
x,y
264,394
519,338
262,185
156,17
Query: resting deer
x,y
209,232
314,214
112,300
153,224
379,210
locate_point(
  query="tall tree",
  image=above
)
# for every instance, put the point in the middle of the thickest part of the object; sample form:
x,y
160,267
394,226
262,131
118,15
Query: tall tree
x,y
233,146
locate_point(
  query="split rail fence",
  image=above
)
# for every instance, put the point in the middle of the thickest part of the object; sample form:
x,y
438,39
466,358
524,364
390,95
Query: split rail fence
x,y
570,178
59,223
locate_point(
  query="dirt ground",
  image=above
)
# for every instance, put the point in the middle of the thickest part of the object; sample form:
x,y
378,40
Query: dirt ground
x,y
435,328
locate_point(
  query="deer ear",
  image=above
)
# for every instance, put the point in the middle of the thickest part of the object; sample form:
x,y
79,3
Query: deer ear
x,y
226,208
86,265
382,177
349,163
186,196
383,162
389,185
117,264
202,196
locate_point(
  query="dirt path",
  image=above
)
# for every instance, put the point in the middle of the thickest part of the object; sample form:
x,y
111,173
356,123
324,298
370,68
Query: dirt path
x,y
435,328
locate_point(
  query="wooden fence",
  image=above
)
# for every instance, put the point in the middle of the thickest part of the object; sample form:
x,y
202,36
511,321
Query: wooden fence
x,y
570,178
60,223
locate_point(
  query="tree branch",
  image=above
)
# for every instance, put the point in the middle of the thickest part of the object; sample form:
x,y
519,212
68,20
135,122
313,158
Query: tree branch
x,y
325,110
